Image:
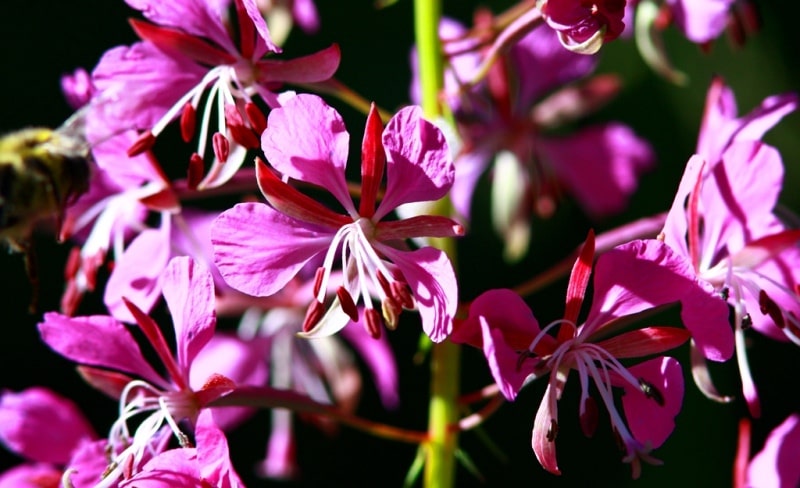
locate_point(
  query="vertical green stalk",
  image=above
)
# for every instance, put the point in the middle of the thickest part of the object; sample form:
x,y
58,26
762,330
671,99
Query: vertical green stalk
x,y
445,357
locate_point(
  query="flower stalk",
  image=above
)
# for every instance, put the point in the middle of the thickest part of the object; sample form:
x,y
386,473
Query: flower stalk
x,y
445,357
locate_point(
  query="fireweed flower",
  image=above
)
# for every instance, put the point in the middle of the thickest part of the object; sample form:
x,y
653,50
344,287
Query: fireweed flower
x,y
722,221
583,26
323,369
190,53
628,280
507,123
206,464
258,248
204,367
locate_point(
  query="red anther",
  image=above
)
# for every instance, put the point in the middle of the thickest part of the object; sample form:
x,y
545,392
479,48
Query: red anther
x,y
588,417
313,315
385,286
391,312
144,143
70,299
256,117
769,307
188,122
318,276
90,266
348,305
372,323
222,148
73,263
402,293
194,175
240,132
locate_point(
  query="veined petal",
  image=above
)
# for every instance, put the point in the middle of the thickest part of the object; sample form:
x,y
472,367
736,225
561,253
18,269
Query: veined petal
x,y
189,292
137,274
42,426
430,275
652,418
503,360
306,140
258,250
202,18
97,341
213,455
176,43
316,67
676,226
645,274
260,24
419,167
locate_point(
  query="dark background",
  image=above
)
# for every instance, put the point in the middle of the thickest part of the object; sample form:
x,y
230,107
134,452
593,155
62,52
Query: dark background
x,y
39,41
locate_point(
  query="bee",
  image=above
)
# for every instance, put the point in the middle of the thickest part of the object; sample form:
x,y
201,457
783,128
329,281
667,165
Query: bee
x,y
42,171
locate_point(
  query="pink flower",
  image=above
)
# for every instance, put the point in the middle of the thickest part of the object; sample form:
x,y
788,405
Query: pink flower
x,y
722,221
203,369
258,248
584,25
628,280
206,464
191,53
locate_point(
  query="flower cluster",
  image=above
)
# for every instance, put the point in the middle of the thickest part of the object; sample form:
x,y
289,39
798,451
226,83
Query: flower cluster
x,y
284,278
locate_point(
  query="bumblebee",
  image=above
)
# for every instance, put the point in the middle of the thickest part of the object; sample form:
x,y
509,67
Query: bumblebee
x,y
42,171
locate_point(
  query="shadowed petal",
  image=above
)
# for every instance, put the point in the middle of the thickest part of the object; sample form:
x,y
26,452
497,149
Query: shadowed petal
x,y
776,464
652,419
378,355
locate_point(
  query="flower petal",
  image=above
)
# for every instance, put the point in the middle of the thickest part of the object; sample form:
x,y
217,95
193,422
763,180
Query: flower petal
x,y
96,341
419,167
776,464
258,250
42,426
430,275
652,419
380,360
189,292
645,274
306,140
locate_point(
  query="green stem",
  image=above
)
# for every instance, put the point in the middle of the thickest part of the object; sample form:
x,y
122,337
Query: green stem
x,y
445,358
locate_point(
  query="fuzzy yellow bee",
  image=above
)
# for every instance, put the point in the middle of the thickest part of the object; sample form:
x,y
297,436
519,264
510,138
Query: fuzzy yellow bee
x,y
41,172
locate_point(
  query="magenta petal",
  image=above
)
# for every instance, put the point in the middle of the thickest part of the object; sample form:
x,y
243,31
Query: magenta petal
x,y
42,426
31,476
306,140
137,273
142,83
378,356
676,226
202,18
213,455
430,275
176,468
316,67
650,422
258,250
189,292
600,165
96,341
503,310
88,463
700,21
546,418
418,164
243,362
776,466
260,24
503,361
644,274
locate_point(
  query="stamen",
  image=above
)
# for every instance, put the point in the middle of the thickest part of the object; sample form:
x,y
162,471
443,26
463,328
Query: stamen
x,y
747,321
144,143
391,312
194,174
313,315
348,305
372,322
319,275
401,292
256,117
188,122
73,263
769,307
222,148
